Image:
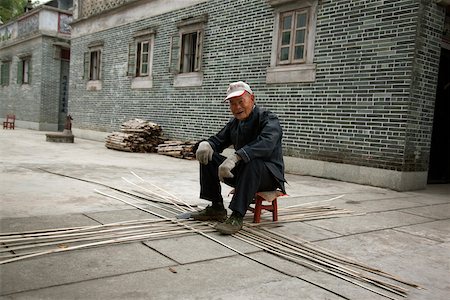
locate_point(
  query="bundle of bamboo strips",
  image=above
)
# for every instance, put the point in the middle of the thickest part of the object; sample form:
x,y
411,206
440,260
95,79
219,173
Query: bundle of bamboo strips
x,y
177,149
317,258
298,214
18,245
136,135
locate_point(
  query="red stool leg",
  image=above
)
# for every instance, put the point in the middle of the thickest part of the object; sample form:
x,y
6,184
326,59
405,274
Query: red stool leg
x,y
257,214
274,210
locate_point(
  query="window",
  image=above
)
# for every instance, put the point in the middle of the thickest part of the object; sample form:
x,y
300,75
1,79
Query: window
x,y
4,75
186,52
190,52
93,66
140,59
293,41
142,65
65,54
24,70
292,37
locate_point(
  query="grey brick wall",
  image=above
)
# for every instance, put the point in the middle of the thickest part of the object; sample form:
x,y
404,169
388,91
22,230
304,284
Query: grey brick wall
x,y
49,84
371,103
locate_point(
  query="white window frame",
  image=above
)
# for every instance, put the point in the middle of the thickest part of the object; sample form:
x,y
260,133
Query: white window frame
x,y
191,62
140,79
143,59
292,33
302,70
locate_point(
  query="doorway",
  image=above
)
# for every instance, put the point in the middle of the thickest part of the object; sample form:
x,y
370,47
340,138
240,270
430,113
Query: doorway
x,y
439,167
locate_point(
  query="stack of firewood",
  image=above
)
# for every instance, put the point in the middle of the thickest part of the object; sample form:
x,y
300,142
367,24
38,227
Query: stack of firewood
x,y
177,149
136,135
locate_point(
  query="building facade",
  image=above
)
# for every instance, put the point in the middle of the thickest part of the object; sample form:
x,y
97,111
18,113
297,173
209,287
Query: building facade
x,y
34,60
353,81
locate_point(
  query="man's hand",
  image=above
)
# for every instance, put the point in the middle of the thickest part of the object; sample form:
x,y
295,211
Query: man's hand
x,y
204,152
228,165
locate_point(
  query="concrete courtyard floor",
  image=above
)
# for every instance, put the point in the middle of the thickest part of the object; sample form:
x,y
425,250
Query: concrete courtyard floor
x,y
403,233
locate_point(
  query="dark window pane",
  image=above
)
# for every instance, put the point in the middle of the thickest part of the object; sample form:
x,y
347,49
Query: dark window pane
x,y
300,36
286,38
287,21
301,20
284,54
298,53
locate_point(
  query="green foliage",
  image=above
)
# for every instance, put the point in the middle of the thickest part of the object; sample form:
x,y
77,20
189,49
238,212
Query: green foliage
x,y
9,9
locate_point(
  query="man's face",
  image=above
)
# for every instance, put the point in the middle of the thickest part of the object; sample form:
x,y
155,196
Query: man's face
x,y
242,106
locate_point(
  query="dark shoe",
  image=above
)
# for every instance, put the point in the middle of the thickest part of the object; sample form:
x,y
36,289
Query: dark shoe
x,y
232,225
210,214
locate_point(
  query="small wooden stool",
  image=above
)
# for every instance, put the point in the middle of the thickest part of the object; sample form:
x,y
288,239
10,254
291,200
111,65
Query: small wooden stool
x,y
271,197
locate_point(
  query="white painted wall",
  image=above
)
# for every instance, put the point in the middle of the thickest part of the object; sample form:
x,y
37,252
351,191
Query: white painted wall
x,y
48,20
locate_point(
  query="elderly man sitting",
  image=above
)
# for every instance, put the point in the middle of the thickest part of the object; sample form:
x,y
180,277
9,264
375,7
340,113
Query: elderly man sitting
x,y
256,165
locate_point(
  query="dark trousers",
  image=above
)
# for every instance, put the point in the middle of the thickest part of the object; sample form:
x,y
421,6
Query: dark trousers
x,y
248,179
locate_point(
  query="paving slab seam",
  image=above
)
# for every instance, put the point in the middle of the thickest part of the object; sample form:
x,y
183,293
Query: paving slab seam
x,y
203,260
418,236
89,217
91,279
365,232
400,210
167,267
318,227
403,195
108,211
419,204
285,273
161,253
388,210
417,215
319,286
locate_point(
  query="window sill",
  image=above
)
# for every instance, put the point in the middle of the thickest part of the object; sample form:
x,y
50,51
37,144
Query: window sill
x,y
292,73
94,85
188,79
141,83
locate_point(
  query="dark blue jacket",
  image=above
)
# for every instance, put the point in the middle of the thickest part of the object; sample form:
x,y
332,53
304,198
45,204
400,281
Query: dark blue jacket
x,y
257,137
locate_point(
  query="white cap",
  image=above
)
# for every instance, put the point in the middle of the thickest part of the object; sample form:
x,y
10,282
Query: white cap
x,y
237,89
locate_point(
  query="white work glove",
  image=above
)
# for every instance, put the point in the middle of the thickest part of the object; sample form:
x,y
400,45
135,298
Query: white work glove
x,y
228,165
204,152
